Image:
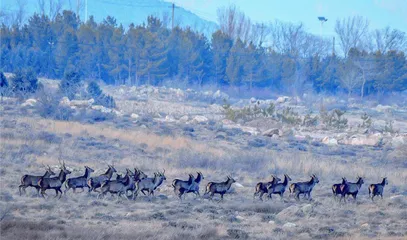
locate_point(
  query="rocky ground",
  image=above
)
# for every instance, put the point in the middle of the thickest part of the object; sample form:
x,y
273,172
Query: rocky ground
x,y
184,131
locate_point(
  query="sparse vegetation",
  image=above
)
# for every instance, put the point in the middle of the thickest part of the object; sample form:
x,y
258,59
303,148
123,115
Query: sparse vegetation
x,y
367,121
24,83
70,85
289,116
100,98
247,113
334,119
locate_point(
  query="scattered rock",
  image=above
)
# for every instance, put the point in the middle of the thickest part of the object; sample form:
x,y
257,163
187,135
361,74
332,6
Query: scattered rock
x,y
272,132
330,141
218,95
240,218
82,103
398,141
200,119
369,140
102,109
272,222
365,225
29,103
134,115
289,225
253,100
184,118
307,209
282,99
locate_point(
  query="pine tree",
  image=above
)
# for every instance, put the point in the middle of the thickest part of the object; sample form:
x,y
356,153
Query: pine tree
x,y
221,45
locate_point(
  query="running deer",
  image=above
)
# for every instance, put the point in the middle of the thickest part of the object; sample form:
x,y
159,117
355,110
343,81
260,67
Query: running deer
x,y
96,182
118,187
54,182
219,187
336,188
32,181
194,188
138,175
79,182
279,188
262,187
150,184
351,189
377,189
181,186
303,188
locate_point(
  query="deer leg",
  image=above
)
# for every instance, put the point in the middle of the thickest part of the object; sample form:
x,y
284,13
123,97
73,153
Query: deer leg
x,y
297,196
261,196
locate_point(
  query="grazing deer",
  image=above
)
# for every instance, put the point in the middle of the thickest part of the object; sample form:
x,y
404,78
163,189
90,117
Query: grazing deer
x,y
194,188
262,187
96,182
32,181
377,189
150,184
118,187
79,182
336,188
303,187
181,186
54,182
219,187
351,189
279,188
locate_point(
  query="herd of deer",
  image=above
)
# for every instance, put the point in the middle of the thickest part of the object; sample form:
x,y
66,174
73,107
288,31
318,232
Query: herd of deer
x,y
137,181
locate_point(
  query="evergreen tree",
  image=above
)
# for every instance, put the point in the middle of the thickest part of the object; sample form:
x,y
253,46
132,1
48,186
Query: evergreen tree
x,y
70,84
24,83
221,45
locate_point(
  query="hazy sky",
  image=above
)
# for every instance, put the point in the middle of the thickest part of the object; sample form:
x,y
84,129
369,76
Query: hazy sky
x,y
381,13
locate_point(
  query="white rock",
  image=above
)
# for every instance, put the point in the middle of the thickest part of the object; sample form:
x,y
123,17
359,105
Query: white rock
x,y
31,102
272,132
308,208
82,103
134,115
398,141
369,140
240,218
64,101
330,141
200,119
365,225
289,225
101,108
253,100
169,118
282,99
238,185
184,118
272,222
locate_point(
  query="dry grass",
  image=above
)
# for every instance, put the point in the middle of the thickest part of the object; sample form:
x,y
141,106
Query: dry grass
x,y
82,216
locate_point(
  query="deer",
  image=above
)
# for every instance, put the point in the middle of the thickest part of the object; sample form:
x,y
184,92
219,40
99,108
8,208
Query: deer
x,y
138,175
118,187
351,189
150,184
181,186
194,188
279,188
54,182
79,182
262,187
32,181
336,188
219,187
303,188
377,189
96,182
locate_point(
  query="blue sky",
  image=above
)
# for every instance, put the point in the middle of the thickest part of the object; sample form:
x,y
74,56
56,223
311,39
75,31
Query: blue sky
x,y
381,13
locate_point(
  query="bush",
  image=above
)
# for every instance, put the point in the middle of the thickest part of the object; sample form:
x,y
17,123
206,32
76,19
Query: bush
x,y
24,83
48,107
310,121
367,121
70,84
247,113
4,88
334,119
289,116
96,93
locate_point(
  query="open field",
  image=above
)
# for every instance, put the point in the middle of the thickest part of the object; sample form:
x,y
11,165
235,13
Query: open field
x,y
27,141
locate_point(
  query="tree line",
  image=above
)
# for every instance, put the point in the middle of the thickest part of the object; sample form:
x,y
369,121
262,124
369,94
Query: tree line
x,y
277,55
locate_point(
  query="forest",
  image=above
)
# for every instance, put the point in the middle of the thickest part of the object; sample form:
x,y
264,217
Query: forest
x,y
278,55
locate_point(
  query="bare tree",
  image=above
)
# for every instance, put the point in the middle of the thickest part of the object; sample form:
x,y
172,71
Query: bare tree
x,y
287,38
55,7
235,23
19,15
352,33
350,77
367,70
387,39
41,6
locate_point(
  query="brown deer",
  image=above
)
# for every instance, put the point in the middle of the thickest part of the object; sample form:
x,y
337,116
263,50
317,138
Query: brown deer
x,y
54,182
303,188
377,189
350,188
96,182
32,181
336,188
219,187
79,182
262,187
279,188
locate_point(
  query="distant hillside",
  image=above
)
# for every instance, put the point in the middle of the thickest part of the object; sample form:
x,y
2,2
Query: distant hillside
x,y
125,11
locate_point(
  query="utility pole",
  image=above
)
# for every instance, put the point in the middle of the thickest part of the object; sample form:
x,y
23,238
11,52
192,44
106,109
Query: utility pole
x,y
86,10
333,47
173,7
